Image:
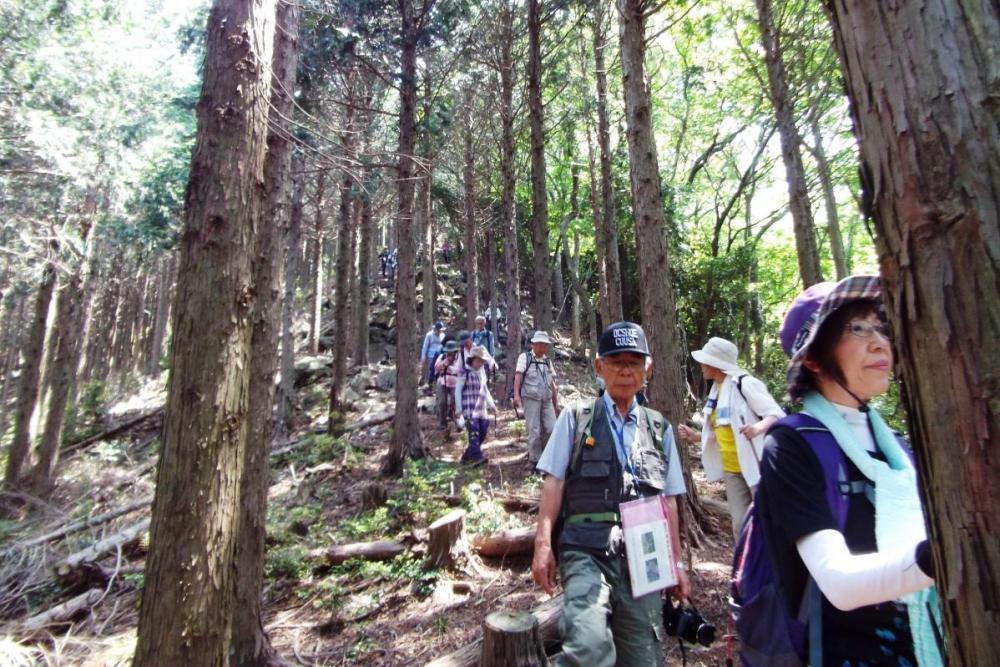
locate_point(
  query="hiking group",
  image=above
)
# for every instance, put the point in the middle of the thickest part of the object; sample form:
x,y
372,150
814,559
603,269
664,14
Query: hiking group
x,y
831,565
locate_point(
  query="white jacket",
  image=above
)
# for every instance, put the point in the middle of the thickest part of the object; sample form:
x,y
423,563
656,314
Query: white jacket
x,y
737,413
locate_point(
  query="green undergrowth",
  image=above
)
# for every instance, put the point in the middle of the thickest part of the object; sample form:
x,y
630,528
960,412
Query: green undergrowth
x,y
424,493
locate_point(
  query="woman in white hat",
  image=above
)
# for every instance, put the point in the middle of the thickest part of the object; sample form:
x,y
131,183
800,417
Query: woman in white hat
x,y
737,414
473,403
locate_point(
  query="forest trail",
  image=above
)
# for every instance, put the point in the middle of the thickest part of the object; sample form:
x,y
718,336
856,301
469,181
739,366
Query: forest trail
x,y
367,613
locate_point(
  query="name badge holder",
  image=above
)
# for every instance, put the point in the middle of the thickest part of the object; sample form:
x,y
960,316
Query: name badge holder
x,y
646,528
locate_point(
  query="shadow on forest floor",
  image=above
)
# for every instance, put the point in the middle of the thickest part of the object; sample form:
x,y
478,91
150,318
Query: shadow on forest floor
x,y
325,491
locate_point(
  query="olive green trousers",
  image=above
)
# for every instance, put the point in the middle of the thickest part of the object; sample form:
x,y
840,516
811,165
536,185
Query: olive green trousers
x,y
602,624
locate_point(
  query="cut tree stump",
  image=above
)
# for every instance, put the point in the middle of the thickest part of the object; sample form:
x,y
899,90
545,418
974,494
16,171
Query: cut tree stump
x,y
62,613
547,614
447,545
374,495
382,550
511,639
513,542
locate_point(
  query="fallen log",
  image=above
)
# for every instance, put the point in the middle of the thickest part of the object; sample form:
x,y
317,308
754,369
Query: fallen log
x,y
510,503
110,433
548,614
92,554
381,550
371,421
61,613
513,542
364,423
518,503
511,638
77,526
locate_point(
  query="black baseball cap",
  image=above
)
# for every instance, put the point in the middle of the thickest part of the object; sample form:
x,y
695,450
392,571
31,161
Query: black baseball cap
x,y
623,337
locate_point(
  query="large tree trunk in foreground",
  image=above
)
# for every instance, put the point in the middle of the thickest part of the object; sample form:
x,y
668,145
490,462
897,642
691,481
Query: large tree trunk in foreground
x,y
659,306
539,195
190,588
250,642
795,173
922,78
406,436
31,370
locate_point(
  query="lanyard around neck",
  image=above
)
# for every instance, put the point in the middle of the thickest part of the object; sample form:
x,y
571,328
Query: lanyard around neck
x,y
619,434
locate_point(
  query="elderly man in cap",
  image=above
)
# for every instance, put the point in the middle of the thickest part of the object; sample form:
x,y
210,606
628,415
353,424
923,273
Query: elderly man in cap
x,y
602,453
536,393
737,414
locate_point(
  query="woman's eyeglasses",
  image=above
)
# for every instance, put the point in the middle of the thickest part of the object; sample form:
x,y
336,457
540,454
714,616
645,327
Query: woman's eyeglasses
x,y
865,330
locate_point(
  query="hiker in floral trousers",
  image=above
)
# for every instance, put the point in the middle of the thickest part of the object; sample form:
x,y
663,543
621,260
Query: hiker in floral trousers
x,y
472,394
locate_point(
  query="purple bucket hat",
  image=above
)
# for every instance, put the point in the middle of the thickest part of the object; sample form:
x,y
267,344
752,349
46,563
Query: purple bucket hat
x,y
811,308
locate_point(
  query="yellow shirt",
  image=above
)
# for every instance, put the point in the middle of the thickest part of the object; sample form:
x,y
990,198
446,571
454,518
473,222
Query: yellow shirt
x,y
727,445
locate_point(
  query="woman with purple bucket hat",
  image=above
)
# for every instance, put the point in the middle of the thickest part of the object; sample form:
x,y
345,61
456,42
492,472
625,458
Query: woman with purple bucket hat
x,y
863,557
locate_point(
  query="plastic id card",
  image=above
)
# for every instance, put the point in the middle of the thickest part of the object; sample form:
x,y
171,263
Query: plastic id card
x,y
647,545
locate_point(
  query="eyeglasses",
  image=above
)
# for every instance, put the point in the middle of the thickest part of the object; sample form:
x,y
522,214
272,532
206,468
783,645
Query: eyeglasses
x,y
626,366
865,330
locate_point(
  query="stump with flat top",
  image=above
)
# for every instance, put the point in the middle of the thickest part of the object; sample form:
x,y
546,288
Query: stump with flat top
x,y
447,546
511,639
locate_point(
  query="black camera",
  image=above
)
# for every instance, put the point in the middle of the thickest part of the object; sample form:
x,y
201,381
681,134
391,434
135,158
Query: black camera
x,y
687,624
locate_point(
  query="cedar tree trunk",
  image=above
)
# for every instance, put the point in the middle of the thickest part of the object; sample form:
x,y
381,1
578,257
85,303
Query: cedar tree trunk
x,y
923,83
191,573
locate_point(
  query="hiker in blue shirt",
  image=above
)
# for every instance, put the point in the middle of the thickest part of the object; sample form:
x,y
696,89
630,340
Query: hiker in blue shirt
x,y
629,453
870,563
429,352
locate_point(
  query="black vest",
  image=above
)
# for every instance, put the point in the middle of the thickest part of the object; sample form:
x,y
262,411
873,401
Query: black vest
x,y
597,483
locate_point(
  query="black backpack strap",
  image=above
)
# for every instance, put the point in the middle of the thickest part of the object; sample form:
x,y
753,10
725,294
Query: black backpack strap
x,y
739,388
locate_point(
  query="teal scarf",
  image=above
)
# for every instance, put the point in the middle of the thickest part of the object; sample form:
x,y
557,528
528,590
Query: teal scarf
x,y
898,516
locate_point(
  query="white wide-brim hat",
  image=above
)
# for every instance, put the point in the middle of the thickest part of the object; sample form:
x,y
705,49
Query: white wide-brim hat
x,y
477,351
718,353
541,337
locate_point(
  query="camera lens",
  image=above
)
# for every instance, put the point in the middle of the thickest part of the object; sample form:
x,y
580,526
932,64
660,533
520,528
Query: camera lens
x,y
706,634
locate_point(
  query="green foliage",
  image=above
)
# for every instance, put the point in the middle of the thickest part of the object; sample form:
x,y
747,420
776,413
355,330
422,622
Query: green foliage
x,y
371,525
286,525
319,448
405,567
485,514
289,562
415,501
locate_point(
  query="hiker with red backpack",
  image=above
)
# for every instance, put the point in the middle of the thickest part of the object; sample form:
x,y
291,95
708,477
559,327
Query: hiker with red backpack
x,y
834,566
737,414
604,455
